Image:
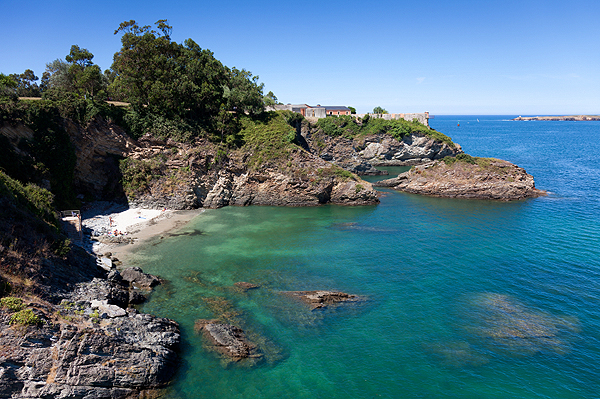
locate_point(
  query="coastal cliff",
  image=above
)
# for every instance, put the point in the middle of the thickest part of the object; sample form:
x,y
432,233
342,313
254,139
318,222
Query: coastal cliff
x,y
467,177
201,176
67,328
359,150
154,173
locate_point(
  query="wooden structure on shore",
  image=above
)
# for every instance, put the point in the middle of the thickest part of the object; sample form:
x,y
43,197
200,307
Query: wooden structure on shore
x,y
71,224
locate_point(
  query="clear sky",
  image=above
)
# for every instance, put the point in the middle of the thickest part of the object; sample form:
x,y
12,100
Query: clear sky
x,y
443,56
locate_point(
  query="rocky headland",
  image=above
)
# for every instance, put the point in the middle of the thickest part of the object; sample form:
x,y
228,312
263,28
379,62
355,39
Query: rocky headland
x,y
361,153
467,177
90,344
559,118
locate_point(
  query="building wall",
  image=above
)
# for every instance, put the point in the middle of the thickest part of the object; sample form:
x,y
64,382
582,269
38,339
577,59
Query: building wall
x,y
321,112
338,112
315,112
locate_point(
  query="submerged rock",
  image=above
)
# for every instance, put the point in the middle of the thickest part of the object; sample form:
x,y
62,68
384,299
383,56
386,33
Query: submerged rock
x,y
246,286
321,299
512,327
227,339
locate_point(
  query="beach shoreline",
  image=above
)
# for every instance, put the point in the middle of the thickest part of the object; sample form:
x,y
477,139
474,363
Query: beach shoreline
x,y
121,231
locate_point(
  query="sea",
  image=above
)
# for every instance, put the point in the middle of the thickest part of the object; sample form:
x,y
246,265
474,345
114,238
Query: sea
x,y
456,298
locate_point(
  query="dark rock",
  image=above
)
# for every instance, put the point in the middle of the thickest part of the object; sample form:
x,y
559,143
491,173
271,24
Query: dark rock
x,y
136,276
136,297
115,277
321,299
227,339
100,290
116,359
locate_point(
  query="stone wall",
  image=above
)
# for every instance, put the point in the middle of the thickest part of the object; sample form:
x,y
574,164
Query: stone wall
x,y
320,112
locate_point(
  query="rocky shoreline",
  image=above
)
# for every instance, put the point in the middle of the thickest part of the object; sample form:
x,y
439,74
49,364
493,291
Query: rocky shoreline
x,y
92,344
487,179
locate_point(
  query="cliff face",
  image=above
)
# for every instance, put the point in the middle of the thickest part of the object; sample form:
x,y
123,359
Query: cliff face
x,y
488,178
160,174
197,176
66,328
360,154
98,148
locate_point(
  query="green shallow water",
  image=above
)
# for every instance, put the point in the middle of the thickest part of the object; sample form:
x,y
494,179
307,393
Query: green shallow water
x,y
464,299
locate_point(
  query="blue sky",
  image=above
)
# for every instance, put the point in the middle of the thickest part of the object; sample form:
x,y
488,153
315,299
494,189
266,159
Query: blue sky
x,y
446,57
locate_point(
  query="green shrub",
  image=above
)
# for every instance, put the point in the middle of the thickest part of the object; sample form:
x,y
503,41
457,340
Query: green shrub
x,y
346,125
465,158
343,125
30,197
270,139
12,303
25,317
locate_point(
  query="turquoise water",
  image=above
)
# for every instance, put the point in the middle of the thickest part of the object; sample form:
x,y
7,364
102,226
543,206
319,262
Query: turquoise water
x,y
465,299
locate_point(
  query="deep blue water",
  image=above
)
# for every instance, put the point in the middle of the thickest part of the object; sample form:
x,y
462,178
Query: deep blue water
x,y
465,298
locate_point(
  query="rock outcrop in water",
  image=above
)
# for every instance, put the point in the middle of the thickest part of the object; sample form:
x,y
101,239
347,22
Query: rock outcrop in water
x,y
322,299
483,178
227,339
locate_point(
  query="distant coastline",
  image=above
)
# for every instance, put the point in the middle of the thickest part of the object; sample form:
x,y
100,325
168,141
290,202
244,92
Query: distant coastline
x,y
559,118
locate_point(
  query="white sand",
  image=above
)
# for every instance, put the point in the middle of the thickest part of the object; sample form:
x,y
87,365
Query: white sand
x,y
135,226
124,220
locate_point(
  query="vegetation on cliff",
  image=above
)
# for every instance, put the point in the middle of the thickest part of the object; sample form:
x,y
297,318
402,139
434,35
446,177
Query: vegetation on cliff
x,y
349,126
33,252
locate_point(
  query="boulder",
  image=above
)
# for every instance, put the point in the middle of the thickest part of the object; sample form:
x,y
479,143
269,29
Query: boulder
x,y
136,277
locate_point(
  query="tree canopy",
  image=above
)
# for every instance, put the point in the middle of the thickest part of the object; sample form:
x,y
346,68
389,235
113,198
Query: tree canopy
x,y
177,90
160,76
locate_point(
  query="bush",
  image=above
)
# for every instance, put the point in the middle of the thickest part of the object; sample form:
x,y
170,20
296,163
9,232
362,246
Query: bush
x,y
465,158
138,173
345,125
270,139
25,317
12,303
31,197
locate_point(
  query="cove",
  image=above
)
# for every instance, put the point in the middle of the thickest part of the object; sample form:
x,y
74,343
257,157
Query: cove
x,y
464,298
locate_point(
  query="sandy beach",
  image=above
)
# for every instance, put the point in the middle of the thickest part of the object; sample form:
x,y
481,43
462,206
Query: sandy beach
x,y
120,230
